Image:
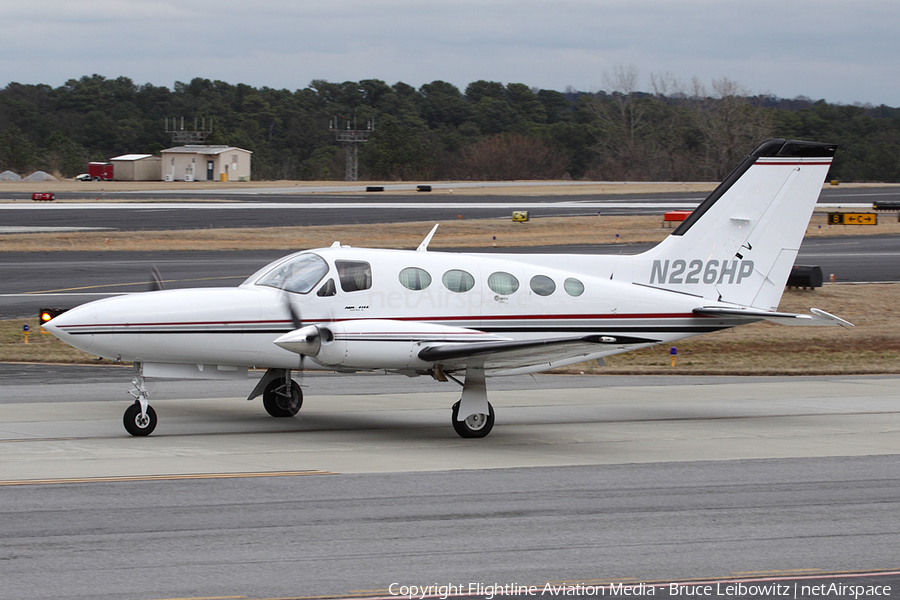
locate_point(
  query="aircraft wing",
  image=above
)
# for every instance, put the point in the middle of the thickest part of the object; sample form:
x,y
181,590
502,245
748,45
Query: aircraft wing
x,y
525,354
818,317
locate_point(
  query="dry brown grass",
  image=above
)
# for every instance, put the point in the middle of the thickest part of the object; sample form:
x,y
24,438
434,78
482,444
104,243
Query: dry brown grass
x,y
872,346
41,348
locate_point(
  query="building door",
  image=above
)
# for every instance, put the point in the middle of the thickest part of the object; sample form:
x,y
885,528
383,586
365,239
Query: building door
x,y
210,170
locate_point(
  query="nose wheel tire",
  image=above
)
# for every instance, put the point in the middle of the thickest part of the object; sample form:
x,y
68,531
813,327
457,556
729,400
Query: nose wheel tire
x,y
473,426
280,404
136,424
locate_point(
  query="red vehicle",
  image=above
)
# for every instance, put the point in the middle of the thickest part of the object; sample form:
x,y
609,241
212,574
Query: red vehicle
x,y
100,171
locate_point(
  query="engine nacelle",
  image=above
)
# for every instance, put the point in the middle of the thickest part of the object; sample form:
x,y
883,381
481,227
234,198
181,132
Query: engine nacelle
x,y
375,343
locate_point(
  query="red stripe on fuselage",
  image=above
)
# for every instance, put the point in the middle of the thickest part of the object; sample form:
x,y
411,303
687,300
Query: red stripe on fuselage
x,y
485,318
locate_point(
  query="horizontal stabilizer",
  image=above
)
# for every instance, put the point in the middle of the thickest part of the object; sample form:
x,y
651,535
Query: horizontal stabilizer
x,y
817,318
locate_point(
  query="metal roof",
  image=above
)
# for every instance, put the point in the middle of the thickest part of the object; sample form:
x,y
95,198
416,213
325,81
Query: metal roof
x,y
208,150
133,157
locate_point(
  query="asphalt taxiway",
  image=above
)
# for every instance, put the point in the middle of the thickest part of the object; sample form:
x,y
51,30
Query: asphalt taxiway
x,y
584,479
542,421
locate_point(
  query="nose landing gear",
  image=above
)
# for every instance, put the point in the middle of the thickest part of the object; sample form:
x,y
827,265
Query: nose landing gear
x,y
139,418
138,422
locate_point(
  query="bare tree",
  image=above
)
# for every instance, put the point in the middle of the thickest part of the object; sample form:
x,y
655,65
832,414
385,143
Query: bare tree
x,y
621,119
730,124
511,156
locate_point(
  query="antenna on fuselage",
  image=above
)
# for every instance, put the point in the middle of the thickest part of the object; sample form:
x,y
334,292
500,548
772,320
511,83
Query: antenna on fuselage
x,y
423,247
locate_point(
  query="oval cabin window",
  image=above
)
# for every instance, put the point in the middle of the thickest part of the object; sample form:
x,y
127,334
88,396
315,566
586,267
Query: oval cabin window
x,y
573,287
457,280
542,285
503,283
414,278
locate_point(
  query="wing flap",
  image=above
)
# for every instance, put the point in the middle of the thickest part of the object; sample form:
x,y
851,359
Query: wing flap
x,y
522,354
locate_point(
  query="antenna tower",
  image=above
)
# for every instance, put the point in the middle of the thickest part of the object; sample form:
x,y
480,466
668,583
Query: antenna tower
x,y
351,138
190,135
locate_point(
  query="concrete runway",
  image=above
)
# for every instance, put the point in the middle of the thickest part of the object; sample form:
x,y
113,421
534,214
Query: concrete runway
x,y
274,207
584,479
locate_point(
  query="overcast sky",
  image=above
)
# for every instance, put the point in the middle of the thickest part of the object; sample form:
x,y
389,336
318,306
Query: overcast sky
x,y
837,50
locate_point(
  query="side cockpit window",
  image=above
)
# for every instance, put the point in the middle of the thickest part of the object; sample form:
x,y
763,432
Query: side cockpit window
x,y
328,289
299,274
354,275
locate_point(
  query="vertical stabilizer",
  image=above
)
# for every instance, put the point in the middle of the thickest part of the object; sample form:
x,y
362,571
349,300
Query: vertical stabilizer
x,y
739,245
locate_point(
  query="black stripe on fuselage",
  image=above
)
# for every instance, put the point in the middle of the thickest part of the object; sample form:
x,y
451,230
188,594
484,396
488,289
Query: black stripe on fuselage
x,y
132,331
584,329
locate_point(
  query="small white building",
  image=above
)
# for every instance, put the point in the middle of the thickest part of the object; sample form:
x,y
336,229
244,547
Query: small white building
x,y
205,163
137,167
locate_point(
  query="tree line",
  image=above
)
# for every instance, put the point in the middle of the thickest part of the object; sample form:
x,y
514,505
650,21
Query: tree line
x,y
489,131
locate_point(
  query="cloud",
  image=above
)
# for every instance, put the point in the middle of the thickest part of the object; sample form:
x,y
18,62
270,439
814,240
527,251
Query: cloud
x,y
843,52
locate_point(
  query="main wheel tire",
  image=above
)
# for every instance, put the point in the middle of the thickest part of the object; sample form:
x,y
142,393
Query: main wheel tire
x,y
135,424
473,426
281,405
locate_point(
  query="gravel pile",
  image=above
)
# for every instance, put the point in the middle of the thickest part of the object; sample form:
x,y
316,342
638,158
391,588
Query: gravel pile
x,y
10,176
41,176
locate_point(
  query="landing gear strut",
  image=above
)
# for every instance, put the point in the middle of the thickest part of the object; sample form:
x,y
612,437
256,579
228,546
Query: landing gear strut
x,y
139,418
473,416
282,396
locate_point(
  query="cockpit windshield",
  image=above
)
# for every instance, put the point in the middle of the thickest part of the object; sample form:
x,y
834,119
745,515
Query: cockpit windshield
x,y
300,274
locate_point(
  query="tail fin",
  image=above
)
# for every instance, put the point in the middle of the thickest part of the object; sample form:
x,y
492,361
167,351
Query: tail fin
x,y
739,245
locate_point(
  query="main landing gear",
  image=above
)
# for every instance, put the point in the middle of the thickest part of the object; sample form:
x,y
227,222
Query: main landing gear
x,y
473,426
472,416
283,399
282,396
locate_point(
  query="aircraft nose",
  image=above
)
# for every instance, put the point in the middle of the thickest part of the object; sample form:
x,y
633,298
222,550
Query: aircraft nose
x,y
71,326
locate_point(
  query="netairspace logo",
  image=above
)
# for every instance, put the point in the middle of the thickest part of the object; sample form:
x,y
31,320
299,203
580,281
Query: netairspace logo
x,y
491,591
583,590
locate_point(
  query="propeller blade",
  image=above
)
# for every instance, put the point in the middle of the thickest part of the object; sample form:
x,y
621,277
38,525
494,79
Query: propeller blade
x,y
156,282
295,314
297,323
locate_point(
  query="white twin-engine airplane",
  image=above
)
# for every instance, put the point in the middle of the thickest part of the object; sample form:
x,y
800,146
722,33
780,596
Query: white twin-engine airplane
x,y
465,317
